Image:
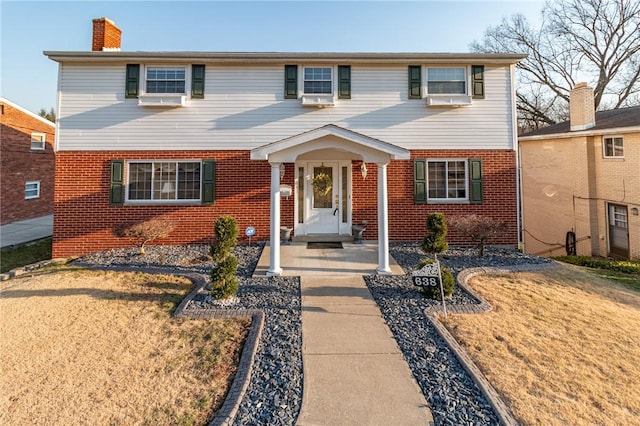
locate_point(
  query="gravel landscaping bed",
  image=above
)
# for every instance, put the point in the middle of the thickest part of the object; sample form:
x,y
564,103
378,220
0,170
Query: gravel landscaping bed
x,y
274,395
451,393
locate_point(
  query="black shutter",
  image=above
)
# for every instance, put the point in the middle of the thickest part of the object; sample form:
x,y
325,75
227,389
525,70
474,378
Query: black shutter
x,y
197,81
344,81
208,181
116,190
131,85
291,82
415,82
475,180
477,81
420,181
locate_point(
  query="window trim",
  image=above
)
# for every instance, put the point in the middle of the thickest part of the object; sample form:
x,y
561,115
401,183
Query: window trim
x,y
333,80
173,201
421,180
612,139
43,141
37,189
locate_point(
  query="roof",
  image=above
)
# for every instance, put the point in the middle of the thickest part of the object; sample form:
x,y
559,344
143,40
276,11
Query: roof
x,y
605,120
26,111
280,57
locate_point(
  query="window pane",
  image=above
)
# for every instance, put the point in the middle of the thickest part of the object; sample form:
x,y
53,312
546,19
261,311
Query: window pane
x,y
446,80
317,80
140,175
447,180
188,181
166,80
164,181
437,181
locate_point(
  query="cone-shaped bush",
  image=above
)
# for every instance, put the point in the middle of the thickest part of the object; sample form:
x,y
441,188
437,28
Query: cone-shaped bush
x,y
436,241
224,281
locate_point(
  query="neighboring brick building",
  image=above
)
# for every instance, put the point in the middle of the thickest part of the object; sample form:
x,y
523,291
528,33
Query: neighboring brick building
x,y
313,141
581,182
28,164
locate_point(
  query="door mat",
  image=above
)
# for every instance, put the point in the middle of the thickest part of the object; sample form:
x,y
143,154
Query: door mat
x,y
324,245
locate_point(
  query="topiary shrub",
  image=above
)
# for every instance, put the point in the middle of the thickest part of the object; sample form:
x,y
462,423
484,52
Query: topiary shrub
x,y
436,241
448,282
226,232
224,281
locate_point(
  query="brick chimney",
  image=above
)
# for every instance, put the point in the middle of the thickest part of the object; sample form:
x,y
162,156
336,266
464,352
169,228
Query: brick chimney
x,y
582,113
106,36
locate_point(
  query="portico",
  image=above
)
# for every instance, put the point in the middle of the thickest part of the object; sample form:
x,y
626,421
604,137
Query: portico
x,y
323,158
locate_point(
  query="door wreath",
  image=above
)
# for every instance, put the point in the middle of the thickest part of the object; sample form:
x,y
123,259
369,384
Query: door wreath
x,y
322,183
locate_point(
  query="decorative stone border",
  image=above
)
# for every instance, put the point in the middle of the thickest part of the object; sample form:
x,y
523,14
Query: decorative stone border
x,y
16,272
489,392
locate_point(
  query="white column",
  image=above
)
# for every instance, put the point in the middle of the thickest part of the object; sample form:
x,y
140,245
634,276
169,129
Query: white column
x,y
274,243
383,222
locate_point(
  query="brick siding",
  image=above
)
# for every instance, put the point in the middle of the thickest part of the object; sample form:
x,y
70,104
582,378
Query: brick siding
x,y
20,165
84,221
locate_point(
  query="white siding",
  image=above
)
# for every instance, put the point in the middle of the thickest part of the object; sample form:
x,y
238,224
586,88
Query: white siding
x,y
244,107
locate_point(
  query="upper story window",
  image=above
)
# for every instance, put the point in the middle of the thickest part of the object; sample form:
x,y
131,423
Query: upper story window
x,y
165,80
318,80
38,141
447,81
613,147
164,181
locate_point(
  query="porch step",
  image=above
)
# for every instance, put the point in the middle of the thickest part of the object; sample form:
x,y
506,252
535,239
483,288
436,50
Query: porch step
x,y
322,238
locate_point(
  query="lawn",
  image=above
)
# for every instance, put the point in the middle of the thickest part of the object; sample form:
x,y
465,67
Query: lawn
x,y
89,347
561,346
26,254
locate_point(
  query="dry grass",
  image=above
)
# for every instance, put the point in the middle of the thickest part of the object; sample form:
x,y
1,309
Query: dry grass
x,y
561,346
83,347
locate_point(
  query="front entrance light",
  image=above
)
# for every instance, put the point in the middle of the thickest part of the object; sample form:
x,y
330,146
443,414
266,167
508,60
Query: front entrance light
x,y
363,170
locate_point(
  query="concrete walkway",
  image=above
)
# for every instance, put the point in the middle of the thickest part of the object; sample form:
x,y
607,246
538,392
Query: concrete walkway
x,y
25,231
354,372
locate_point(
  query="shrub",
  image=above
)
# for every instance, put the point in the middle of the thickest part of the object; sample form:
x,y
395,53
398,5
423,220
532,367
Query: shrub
x,y
448,282
141,233
436,241
224,279
226,232
479,229
223,275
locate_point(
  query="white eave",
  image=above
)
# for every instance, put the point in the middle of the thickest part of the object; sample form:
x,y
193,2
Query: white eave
x,y
26,111
370,149
282,57
581,133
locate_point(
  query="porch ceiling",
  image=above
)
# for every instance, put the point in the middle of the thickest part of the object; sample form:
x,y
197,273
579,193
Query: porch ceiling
x,y
330,137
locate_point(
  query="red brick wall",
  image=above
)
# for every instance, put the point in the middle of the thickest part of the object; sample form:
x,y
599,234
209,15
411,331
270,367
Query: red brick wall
x,y
20,164
84,220
407,220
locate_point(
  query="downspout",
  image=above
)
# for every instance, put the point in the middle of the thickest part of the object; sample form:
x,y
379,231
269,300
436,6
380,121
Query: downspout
x,y
516,147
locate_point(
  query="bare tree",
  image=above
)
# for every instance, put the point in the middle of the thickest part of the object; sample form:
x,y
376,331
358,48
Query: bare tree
x,y
597,41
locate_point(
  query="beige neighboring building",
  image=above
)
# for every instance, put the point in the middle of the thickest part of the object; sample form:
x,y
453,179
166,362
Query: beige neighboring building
x,y
581,182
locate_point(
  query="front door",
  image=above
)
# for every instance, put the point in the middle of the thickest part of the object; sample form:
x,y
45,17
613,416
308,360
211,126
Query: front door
x,y
618,231
323,198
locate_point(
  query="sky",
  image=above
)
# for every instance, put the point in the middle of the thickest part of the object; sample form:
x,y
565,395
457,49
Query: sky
x,y
27,28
